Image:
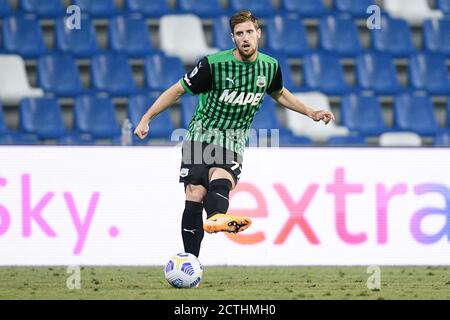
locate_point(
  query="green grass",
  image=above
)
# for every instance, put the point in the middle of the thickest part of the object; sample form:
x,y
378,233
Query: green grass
x,y
231,282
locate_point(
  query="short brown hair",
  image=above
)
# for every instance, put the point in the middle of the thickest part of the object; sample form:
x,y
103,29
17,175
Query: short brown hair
x,y
243,16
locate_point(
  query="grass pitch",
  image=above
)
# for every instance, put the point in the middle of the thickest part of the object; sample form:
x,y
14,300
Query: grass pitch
x,y
228,283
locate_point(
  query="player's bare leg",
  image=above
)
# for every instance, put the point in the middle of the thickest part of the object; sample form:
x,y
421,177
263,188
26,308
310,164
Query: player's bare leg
x,y
216,205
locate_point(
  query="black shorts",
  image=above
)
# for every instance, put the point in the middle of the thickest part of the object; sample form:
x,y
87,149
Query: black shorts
x,y
199,157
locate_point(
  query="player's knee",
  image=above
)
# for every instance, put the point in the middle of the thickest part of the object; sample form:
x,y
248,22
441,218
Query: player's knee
x,y
195,193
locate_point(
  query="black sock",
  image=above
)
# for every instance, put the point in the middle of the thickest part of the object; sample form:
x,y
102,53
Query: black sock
x,y
192,227
216,200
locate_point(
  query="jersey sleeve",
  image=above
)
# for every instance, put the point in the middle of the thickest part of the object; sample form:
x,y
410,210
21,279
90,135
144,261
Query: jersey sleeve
x,y
277,82
199,79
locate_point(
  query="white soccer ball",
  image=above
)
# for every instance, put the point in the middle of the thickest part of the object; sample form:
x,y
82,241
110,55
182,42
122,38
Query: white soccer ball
x,y
183,270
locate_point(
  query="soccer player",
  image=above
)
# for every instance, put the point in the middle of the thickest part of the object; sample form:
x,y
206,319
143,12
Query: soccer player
x,y
231,86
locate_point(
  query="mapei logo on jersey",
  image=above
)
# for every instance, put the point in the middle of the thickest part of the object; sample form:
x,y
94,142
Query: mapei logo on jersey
x,y
242,98
261,81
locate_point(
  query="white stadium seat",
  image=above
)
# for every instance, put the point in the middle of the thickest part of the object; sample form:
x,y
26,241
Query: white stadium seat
x,y
400,139
14,83
414,11
316,131
183,36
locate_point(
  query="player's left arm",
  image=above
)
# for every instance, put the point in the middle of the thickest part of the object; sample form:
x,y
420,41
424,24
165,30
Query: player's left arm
x,y
288,100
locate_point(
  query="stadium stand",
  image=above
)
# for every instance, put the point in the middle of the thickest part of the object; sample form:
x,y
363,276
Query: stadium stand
x,y
428,71
339,35
5,8
414,11
306,8
261,8
442,139
130,36
394,37
148,9
400,139
357,8
97,8
80,42
350,141
188,106
444,6
42,9
161,71
221,33
23,36
14,83
201,8
316,131
58,74
173,42
436,36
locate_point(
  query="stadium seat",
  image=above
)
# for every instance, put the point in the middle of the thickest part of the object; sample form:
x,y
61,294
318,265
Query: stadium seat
x,y
188,106
260,8
95,116
97,8
161,72
400,139
80,42
339,35
376,71
3,127
316,131
394,37
414,11
202,8
130,36
350,141
160,127
442,139
149,9
41,116
44,9
58,74
357,8
14,83
415,113
5,8
16,138
23,36
362,114
323,72
111,73
183,36
287,74
221,33
436,36
429,72
306,8
444,6
286,34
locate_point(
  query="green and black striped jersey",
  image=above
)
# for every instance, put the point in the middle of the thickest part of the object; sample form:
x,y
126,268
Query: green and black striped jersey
x,y
230,93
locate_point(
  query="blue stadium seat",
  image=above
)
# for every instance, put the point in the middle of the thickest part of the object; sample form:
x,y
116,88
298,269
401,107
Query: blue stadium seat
x,y
444,5
413,112
347,141
3,127
23,36
306,8
5,8
161,71
44,9
160,127
111,73
436,36
429,72
97,8
150,9
130,36
286,34
58,74
323,72
287,74
357,8
394,37
96,116
221,33
362,114
376,71
9,137
43,117
80,42
442,139
188,106
260,8
339,35
202,8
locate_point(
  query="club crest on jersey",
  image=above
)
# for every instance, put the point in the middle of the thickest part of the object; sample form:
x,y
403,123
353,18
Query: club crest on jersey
x,y
184,172
261,81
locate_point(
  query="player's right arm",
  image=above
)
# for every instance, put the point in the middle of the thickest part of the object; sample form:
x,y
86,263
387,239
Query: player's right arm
x,y
165,100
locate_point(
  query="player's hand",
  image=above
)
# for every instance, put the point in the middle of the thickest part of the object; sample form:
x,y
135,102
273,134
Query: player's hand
x,y
142,129
325,116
